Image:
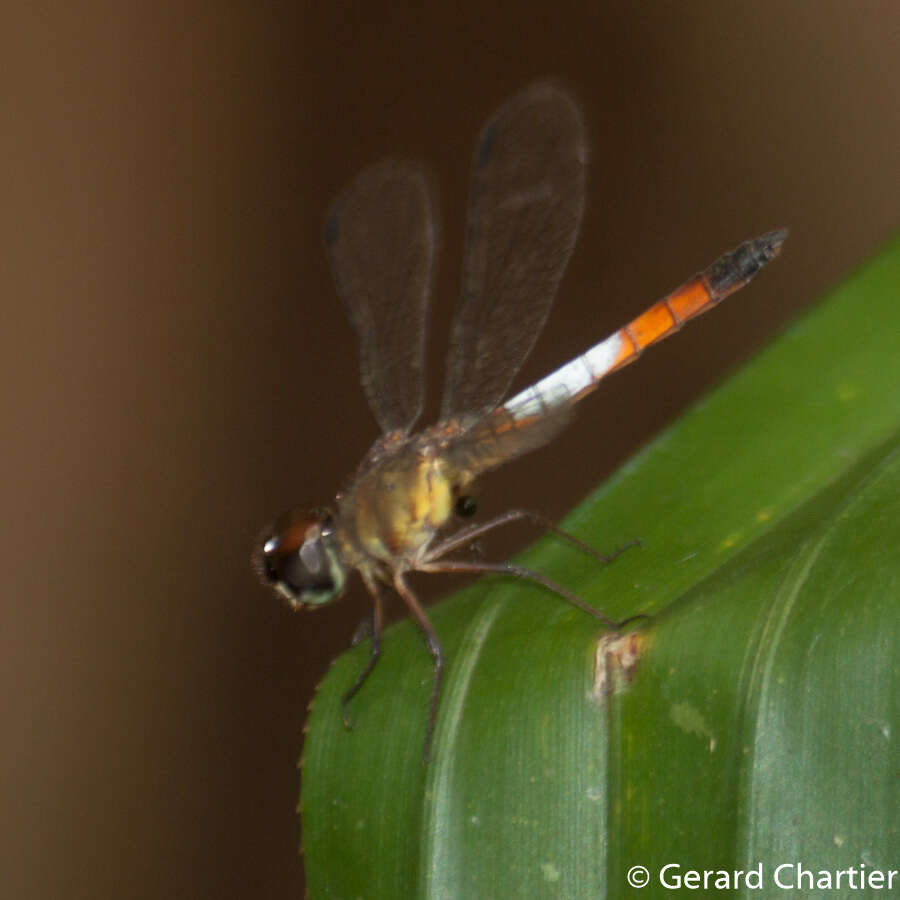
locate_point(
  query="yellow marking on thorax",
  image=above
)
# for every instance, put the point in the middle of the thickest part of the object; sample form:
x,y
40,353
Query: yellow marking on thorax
x,y
429,504
401,508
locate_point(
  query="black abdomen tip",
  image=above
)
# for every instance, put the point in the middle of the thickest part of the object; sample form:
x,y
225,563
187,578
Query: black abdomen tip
x,y
769,244
738,267
753,255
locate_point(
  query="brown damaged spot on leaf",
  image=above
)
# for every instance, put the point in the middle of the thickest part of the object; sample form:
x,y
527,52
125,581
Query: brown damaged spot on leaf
x,y
615,661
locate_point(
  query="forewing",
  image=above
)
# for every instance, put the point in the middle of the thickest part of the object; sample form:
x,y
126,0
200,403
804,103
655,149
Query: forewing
x,y
525,208
379,234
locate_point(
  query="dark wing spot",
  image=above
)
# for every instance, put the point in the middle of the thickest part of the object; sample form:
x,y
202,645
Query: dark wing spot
x,y
485,146
332,229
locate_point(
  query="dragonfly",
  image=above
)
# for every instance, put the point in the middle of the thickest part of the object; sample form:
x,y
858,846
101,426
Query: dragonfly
x,y
401,511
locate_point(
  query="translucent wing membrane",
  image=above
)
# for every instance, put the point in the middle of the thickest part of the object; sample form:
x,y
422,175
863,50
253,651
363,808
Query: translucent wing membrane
x,y
379,234
525,208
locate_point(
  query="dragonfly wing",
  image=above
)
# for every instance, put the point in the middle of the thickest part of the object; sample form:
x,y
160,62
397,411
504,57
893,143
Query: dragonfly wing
x,y
525,208
379,234
500,437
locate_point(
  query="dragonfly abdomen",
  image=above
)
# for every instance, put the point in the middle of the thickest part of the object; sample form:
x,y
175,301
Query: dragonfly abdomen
x,y
581,375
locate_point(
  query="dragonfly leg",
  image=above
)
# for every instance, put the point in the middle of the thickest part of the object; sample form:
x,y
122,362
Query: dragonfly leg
x,y
470,532
467,534
374,656
452,565
545,523
434,646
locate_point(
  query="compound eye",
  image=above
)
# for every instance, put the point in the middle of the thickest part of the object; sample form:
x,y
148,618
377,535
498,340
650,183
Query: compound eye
x,y
296,559
302,570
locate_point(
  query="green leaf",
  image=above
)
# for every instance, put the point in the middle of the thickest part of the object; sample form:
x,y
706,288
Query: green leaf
x,y
759,723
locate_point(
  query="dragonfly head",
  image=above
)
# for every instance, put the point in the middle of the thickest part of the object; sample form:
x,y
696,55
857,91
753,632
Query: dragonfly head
x,y
298,558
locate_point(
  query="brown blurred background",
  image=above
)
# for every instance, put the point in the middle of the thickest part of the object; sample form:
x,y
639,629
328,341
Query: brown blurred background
x,y
176,367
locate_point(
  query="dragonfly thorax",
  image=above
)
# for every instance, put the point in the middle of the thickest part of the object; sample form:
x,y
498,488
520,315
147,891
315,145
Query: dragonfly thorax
x,y
398,504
